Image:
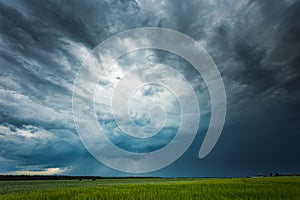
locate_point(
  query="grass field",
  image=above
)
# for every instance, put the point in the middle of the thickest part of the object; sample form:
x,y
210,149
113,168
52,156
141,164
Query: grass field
x,y
235,188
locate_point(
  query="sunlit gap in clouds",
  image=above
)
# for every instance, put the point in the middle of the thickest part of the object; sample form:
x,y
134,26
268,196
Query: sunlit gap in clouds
x,y
153,110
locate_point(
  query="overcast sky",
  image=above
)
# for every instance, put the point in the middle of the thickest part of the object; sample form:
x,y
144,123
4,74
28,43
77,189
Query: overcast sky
x,y
255,45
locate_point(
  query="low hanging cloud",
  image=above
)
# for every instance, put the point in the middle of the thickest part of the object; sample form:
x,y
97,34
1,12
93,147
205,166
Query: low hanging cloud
x,y
48,171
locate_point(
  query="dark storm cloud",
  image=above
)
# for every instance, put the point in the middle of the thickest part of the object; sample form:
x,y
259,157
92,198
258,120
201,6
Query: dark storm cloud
x,y
255,45
263,42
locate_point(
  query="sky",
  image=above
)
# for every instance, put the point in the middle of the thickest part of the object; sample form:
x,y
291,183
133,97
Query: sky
x,y
254,44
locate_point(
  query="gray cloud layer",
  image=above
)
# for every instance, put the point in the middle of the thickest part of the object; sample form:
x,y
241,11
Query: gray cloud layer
x,y
255,44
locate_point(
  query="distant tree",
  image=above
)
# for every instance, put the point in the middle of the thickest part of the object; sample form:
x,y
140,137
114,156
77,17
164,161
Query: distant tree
x,y
271,174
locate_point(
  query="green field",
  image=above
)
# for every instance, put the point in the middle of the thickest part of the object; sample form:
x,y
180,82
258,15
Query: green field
x,y
179,188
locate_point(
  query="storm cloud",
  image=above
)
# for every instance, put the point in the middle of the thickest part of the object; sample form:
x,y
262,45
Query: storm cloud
x,y
255,44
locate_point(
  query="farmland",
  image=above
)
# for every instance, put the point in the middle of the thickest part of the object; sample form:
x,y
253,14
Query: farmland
x,y
154,188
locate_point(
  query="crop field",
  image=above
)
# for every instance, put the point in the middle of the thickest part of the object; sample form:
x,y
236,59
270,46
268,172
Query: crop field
x,y
155,188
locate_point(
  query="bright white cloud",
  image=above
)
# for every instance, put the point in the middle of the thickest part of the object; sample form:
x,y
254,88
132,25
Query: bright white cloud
x,y
48,171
